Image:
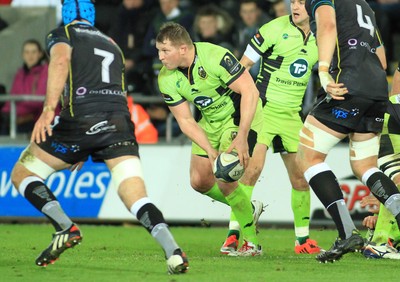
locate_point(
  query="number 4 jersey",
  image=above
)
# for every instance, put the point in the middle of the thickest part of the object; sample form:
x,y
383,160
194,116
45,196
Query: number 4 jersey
x,y
355,62
96,73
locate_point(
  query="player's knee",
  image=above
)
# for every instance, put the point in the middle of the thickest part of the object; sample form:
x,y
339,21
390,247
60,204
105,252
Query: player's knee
x,y
360,150
317,139
299,184
200,183
201,186
126,169
29,165
18,173
251,175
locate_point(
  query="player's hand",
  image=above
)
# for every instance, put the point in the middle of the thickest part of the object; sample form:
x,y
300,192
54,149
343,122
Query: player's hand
x,y
372,202
370,221
240,145
76,166
334,90
43,126
212,155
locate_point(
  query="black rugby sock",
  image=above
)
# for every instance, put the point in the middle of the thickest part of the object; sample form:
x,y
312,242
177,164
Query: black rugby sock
x,y
381,186
327,189
152,219
40,196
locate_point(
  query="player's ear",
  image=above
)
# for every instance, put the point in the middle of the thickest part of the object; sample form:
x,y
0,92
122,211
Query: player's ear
x,y
183,49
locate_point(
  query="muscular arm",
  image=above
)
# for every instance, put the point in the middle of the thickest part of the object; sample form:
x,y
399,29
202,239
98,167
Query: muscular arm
x,y
246,62
380,52
190,128
60,56
325,19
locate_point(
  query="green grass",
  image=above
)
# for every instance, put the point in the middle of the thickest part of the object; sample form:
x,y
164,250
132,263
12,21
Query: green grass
x,y
116,253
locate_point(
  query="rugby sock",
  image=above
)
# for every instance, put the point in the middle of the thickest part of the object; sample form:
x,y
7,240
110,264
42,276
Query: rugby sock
x,y
234,226
152,219
241,207
40,196
301,212
216,194
394,232
325,186
384,190
248,189
383,226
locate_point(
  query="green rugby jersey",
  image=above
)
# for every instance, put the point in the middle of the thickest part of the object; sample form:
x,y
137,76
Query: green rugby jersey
x,y
288,56
205,83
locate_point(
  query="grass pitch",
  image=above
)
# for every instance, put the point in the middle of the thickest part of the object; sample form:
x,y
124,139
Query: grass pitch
x,y
116,253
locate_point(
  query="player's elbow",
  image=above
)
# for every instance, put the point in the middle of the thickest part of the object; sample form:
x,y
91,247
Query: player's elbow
x,y
328,27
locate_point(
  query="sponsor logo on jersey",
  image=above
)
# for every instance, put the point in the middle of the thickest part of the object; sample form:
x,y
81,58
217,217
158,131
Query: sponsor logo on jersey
x,y
203,101
219,106
230,63
91,32
101,126
286,36
107,92
369,48
352,42
258,39
298,68
340,113
202,73
81,91
59,148
290,82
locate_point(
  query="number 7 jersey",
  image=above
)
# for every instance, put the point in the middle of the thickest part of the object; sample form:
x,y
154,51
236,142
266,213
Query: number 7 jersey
x,y
96,73
355,62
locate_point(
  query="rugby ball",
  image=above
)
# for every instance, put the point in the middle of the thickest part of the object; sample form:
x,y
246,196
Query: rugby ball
x,y
227,167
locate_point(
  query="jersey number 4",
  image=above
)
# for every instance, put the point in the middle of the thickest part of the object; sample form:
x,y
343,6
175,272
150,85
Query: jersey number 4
x,y
105,63
365,24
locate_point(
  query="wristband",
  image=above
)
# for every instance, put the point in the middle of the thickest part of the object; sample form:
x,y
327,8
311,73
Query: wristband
x,y
323,66
325,78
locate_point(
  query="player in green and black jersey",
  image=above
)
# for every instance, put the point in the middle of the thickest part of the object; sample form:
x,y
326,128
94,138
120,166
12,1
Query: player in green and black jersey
x,y
212,79
288,53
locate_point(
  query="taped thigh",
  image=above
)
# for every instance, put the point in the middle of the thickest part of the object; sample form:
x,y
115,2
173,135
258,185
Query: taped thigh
x,y
35,165
126,169
360,150
317,139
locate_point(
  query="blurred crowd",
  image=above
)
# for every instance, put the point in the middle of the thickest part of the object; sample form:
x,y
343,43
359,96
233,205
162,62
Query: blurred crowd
x,y
133,24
